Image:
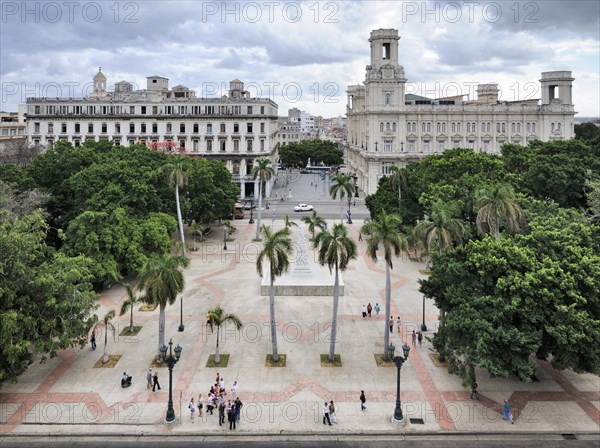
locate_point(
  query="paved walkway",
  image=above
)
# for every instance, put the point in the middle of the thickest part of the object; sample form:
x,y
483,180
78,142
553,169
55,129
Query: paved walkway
x,y
68,395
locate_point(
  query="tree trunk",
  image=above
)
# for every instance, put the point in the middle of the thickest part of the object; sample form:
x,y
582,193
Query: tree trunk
x,y
105,356
217,355
275,355
161,329
131,319
259,210
336,298
180,220
342,209
388,299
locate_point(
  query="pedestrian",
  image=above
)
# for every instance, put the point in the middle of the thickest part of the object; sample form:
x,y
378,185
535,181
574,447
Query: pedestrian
x,y
474,391
326,414
192,409
209,321
377,309
355,202
414,338
507,412
210,404
364,311
200,405
149,379
218,378
221,413
238,408
332,413
420,338
155,383
391,322
363,400
222,387
369,309
360,237
234,388
398,323
93,340
231,416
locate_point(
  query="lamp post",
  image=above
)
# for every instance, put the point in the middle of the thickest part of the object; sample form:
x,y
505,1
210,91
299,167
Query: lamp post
x,y
181,327
423,326
251,210
398,360
171,361
355,185
225,238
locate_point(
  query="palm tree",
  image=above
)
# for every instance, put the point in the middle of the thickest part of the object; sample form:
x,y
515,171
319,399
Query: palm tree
x,y
398,181
161,280
314,221
497,205
105,325
442,229
263,172
277,247
219,318
177,176
335,250
289,224
342,186
132,299
384,230
197,229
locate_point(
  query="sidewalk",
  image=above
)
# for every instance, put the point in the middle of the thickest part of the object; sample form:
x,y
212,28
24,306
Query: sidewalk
x,y
67,395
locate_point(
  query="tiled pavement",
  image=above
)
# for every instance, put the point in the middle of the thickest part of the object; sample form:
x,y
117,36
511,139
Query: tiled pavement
x,y
68,395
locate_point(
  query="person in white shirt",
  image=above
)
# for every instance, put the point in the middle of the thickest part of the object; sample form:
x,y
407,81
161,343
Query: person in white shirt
x,y
234,388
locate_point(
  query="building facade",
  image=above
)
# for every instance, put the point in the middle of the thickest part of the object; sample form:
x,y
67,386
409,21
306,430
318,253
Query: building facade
x,y
386,126
234,128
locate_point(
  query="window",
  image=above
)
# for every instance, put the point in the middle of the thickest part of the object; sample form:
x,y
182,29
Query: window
x,y
208,145
195,127
37,109
236,145
456,143
78,143
63,128
195,145
169,128
453,126
497,127
249,145
486,145
103,128
154,128
222,143
132,110
262,110
388,126
262,128
50,128
471,144
143,110
262,144
236,128
388,99
385,168
131,128
249,110
143,128
182,144
429,126
117,128
425,145
438,127
90,128
408,126
423,127
182,128
77,128
441,146
528,126
209,128
222,128
533,127
381,127
155,110
512,128
444,127
394,127
387,146
503,128
249,127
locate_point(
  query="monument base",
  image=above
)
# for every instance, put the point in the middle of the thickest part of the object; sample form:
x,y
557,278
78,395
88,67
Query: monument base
x,y
319,282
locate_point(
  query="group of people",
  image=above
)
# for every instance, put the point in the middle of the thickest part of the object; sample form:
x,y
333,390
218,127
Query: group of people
x,y
152,380
367,310
216,399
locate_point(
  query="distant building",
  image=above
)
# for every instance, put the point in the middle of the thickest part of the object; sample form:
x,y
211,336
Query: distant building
x,y
296,127
386,126
13,140
235,128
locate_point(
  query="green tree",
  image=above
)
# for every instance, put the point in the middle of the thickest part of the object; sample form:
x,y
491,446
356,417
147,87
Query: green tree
x,y
161,280
220,318
442,230
106,326
289,224
263,172
342,186
498,205
335,250
314,222
128,304
398,181
384,231
277,247
177,175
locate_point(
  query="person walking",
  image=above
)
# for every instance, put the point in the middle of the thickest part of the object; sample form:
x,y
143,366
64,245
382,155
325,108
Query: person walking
x,y
200,405
332,413
149,379
155,383
391,323
93,340
474,391
369,309
377,310
398,323
238,408
221,413
364,311
363,400
507,412
360,237
234,389
414,338
192,409
420,338
326,414
231,416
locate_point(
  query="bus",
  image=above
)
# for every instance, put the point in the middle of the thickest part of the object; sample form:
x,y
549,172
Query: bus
x,y
318,169
238,211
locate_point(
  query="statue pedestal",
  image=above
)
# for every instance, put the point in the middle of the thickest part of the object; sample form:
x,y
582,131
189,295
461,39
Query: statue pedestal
x,y
319,282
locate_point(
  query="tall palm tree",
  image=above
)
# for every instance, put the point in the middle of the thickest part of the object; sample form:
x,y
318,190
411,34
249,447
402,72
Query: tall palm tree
x,y
289,224
132,299
106,326
336,250
398,181
161,280
219,318
442,229
197,229
384,231
263,172
342,186
177,176
497,205
277,247
313,222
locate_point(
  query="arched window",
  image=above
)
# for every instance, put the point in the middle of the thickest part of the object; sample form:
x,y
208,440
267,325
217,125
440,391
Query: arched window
x,y
381,127
408,126
387,126
429,126
394,127
423,127
388,99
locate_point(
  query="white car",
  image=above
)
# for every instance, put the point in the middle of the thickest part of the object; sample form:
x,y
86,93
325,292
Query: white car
x,y
303,208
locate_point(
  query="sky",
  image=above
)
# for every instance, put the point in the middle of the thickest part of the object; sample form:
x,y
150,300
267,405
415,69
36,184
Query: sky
x,y
300,54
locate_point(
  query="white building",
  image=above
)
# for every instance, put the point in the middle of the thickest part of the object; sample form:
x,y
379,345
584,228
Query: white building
x,y
296,127
235,128
386,126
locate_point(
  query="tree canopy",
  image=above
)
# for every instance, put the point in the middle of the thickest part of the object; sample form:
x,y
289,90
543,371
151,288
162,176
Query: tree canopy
x,y
318,151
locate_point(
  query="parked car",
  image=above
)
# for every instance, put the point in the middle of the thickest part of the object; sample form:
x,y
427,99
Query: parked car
x,y
303,208
249,206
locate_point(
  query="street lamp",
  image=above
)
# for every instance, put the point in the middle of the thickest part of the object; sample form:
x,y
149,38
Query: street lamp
x,y
355,185
181,327
423,326
171,361
225,238
398,360
251,210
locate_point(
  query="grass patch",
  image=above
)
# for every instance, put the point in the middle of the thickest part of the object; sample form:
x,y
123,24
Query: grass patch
x,y
424,271
435,359
156,362
337,361
381,363
112,361
281,363
148,307
211,361
126,332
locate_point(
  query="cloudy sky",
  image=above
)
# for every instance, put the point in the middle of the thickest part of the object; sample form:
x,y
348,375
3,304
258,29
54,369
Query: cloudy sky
x,y
300,54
